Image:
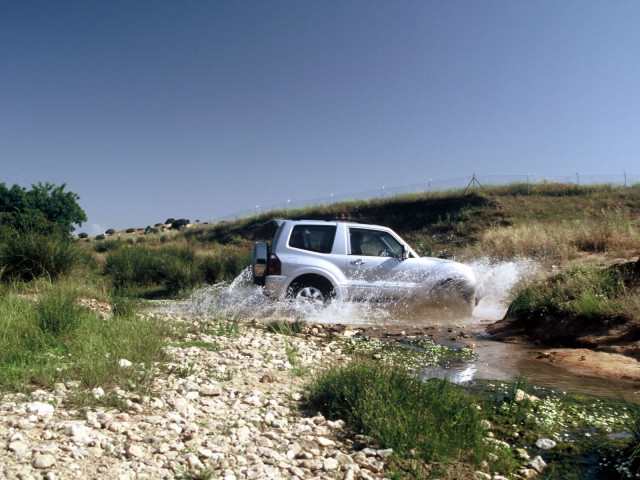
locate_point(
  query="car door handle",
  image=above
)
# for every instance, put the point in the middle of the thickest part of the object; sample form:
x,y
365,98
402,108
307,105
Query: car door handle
x,y
357,262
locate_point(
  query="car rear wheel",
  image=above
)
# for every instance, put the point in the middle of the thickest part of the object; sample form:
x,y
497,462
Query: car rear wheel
x,y
315,294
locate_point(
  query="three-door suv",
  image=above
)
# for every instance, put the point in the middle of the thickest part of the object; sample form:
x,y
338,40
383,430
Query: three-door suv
x,y
314,261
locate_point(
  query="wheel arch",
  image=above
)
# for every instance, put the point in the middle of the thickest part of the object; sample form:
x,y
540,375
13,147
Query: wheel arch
x,y
315,279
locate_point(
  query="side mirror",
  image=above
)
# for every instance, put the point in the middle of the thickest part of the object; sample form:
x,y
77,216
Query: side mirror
x,y
405,252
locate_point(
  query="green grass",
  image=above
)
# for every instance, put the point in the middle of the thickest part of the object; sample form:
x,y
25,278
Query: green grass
x,y
434,421
169,270
31,255
50,338
585,292
285,327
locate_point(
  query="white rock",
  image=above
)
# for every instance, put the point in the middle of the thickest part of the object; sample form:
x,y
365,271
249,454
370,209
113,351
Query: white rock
x,y
42,461
124,363
97,392
545,444
40,408
538,464
330,464
325,442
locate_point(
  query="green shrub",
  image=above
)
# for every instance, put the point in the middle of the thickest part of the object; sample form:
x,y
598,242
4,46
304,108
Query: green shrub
x,y
110,231
30,255
178,224
582,291
58,312
132,266
224,266
83,235
434,420
130,230
100,237
102,246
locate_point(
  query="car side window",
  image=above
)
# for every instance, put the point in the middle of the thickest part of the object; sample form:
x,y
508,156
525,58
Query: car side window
x,y
315,238
373,243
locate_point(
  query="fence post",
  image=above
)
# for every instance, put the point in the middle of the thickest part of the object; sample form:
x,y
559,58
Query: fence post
x,y
625,178
577,178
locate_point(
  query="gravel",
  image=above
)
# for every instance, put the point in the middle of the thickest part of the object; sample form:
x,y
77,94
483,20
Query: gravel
x,y
227,414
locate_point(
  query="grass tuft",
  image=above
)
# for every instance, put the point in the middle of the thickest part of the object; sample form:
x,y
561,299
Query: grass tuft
x,y
433,420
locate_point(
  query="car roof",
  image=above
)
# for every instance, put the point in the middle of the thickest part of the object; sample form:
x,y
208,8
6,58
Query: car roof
x,y
325,222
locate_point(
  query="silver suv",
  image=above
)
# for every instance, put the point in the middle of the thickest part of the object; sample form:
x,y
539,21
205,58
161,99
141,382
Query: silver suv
x,y
314,261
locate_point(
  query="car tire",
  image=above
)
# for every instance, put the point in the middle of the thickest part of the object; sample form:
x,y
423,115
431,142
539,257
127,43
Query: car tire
x,y
315,294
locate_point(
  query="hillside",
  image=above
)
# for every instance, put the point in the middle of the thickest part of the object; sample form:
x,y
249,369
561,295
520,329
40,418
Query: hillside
x,y
450,222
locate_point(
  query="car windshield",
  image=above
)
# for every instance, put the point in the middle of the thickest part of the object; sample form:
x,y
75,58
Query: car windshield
x,y
374,243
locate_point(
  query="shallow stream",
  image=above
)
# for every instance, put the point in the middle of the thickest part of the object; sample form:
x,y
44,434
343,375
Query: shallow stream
x,y
493,361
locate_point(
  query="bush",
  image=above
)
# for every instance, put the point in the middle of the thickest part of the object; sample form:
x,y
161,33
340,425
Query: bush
x,y
100,237
110,231
102,246
58,312
83,235
130,230
180,223
30,255
585,292
435,420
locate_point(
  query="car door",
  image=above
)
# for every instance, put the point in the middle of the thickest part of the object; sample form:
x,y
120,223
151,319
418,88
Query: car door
x,y
372,264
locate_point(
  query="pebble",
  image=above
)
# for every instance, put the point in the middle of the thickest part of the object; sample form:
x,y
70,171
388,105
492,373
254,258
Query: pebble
x,y
234,425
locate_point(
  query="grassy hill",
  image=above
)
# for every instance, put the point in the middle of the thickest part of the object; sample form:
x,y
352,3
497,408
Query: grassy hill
x,y
555,222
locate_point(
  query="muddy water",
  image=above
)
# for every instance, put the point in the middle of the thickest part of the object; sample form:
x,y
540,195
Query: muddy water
x,y
494,360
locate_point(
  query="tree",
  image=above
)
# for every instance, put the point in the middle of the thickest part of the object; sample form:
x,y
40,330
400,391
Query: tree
x,y
178,224
46,208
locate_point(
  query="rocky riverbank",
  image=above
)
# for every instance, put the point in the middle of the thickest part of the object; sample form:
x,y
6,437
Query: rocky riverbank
x,y
229,411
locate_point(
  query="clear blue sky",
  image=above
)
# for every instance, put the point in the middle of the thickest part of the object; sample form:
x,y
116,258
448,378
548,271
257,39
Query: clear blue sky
x,y
197,109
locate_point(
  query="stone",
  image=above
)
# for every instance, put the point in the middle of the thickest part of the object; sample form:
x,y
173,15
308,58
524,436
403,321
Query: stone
x,y
538,464
97,393
40,408
134,451
545,444
18,447
42,461
330,464
325,442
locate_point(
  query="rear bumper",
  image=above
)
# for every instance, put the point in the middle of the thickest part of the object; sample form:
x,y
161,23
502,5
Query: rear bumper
x,y
275,286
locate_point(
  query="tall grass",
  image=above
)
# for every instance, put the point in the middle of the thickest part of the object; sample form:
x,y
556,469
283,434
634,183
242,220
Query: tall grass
x,y
605,231
586,292
30,255
172,268
51,338
434,420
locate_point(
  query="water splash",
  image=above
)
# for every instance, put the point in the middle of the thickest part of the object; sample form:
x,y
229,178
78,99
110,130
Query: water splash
x,y
243,300
499,279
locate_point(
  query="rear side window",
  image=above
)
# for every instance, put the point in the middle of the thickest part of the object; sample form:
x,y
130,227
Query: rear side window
x,y
315,238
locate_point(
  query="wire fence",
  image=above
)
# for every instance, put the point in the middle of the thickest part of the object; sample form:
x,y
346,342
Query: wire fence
x,y
469,183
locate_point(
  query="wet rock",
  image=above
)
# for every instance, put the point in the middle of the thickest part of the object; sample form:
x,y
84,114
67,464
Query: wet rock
x,y
545,444
538,464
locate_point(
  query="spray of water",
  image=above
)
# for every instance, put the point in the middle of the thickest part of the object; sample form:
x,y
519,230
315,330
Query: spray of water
x,y
242,300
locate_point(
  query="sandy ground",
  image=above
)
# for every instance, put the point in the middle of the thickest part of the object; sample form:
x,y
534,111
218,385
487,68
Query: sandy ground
x,y
582,361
